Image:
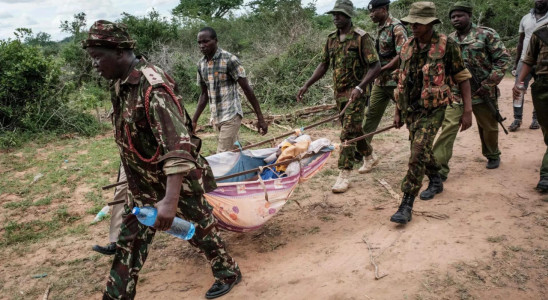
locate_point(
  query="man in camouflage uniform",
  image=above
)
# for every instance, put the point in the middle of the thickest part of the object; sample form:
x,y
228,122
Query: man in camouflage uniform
x,y
537,56
161,161
486,58
351,54
430,64
391,35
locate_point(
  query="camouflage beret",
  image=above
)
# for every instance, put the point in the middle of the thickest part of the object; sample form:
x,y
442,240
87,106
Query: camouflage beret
x,y
461,6
377,3
108,34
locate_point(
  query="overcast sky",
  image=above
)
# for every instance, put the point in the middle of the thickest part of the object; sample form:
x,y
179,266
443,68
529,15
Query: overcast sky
x,y
46,15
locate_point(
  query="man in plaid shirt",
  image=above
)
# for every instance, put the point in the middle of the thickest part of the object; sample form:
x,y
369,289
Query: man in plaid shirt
x,y
219,72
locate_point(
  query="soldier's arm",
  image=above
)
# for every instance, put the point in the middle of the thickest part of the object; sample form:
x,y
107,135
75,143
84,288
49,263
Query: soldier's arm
x,y
371,57
400,35
500,60
171,132
461,76
530,58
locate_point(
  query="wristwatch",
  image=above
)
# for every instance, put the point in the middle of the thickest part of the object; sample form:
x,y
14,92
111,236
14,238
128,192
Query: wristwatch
x,y
359,89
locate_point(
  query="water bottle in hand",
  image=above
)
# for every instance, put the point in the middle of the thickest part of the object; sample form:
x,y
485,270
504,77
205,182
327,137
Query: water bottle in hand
x,y
180,228
100,215
518,101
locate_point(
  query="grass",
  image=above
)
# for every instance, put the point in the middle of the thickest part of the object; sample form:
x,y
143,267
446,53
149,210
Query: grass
x,y
496,239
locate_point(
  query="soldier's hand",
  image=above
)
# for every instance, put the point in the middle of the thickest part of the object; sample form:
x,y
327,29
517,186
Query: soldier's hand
x,y
397,121
166,213
466,121
517,92
301,93
355,94
482,92
194,127
263,126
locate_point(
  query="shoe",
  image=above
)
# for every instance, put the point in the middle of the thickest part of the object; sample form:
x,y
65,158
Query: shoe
x,y
493,163
109,249
543,184
368,163
405,211
515,125
435,186
219,289
343,182
534,124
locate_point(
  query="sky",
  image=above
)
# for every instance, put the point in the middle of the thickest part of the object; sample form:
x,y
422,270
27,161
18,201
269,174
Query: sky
x,y
46,15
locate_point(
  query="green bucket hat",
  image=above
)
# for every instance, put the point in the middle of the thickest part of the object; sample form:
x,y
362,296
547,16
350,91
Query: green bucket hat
x,y
422,13
108,34
343,6
461,6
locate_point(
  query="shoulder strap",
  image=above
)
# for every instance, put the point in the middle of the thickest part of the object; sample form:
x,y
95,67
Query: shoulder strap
x,y
437,51
152,76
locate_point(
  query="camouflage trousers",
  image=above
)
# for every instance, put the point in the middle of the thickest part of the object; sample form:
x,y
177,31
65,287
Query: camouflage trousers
x,y
352,128
135,239
423,127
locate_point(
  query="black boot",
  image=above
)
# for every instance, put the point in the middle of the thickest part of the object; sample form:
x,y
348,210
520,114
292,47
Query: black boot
x,y
493,163
404,213
543,184
435,186
219,289
109,249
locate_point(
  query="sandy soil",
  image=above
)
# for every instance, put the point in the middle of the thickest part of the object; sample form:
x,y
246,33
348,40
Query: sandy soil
x,y
490,242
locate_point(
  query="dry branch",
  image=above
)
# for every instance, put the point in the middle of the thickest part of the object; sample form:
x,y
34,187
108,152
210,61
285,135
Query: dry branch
x,y
377,277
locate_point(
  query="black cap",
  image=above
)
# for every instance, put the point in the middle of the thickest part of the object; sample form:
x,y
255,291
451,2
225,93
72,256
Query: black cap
x,y
377,3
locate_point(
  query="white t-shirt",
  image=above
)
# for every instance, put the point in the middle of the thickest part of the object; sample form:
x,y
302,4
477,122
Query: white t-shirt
x,y
527,25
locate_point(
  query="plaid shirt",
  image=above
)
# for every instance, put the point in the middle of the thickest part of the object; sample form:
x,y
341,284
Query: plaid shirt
x,y
220,75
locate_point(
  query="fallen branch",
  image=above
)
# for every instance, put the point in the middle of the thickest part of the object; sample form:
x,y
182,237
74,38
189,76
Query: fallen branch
x,y
389,189
430,214
377,277
46,294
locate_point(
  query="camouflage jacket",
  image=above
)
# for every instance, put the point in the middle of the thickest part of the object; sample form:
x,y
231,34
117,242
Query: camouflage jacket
x,y
390,38
486,58
349,66
537,52
168,128
426,75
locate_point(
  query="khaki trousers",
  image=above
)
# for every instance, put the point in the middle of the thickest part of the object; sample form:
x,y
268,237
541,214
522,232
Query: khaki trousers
x,y
228,133
117,210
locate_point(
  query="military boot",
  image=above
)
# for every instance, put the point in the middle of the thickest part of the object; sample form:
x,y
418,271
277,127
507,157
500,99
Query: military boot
x,y
543,184
404,213
368,163
343,182
435,186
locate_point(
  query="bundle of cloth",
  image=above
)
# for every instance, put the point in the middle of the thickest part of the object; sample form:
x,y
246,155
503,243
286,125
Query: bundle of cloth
x,y
290,148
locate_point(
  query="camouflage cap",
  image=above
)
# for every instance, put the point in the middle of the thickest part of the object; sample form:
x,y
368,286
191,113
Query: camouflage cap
x,y
422,13
108,34
377,3
343,6
461,6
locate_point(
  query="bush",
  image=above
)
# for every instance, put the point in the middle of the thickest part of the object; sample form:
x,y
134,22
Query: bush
x,y
32,96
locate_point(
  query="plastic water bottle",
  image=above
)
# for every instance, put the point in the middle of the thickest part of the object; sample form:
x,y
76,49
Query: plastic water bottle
x,y
180,228
518,101
100,215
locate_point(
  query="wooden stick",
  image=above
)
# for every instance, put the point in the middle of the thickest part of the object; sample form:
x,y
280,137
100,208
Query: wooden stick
x,y
293,132
377,277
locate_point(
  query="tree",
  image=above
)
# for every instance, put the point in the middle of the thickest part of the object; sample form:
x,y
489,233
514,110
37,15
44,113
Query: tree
x,y
150,30
206,9
76,26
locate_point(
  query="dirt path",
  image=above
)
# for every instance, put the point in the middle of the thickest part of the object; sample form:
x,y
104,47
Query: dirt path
x,y
492,246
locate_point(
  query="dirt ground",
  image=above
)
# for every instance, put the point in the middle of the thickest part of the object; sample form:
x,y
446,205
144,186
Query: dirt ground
x,y
484,237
